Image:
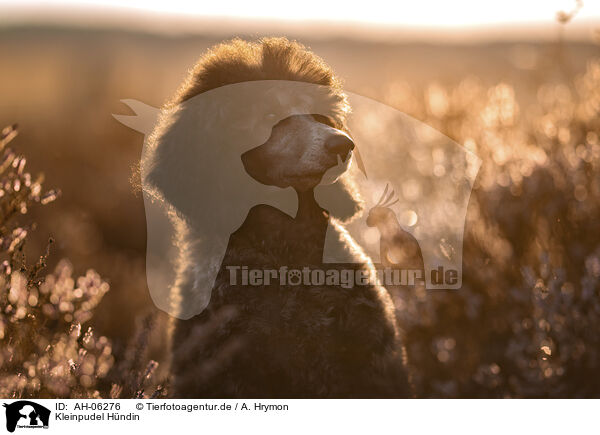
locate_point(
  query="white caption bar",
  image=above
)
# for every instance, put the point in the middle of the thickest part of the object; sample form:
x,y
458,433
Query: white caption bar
x,y
299,416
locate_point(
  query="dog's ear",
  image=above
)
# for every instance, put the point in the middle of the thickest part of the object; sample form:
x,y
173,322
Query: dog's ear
x,y
179,169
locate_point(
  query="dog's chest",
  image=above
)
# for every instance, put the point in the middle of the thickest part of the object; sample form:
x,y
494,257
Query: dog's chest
x,y
271,237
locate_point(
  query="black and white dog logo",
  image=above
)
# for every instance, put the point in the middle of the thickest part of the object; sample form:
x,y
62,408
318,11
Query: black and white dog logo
x,y
26,414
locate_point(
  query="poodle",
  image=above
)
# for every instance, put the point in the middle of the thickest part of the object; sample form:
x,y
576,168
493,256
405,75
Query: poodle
x,y
274,339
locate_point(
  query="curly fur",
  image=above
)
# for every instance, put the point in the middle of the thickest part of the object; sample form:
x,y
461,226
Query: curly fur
x,y
277,341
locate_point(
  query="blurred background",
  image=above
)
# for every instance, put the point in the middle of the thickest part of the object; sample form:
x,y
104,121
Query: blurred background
x,y
516,82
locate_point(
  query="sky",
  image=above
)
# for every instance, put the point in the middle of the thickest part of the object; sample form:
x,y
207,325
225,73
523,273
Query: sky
x,y
341,18
426,13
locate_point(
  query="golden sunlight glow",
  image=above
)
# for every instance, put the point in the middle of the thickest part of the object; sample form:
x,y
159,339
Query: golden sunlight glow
x,y
424,13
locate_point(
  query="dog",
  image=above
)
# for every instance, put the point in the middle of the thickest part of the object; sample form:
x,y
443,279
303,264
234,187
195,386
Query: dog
x,y
277,340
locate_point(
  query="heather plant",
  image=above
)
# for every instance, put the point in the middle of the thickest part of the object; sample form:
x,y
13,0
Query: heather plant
x,y
525,322
135,375
47,348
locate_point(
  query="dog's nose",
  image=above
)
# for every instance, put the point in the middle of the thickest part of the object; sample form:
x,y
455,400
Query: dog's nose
x,y
339,144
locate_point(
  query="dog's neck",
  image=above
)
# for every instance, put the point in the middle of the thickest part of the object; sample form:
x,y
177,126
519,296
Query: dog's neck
x,y
308,208
309,230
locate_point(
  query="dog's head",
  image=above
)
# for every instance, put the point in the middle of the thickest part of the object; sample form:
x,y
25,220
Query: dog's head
x,y
302,152
296,109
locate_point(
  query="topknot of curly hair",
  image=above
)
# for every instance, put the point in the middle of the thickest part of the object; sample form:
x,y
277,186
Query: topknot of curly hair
x,y
273,58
